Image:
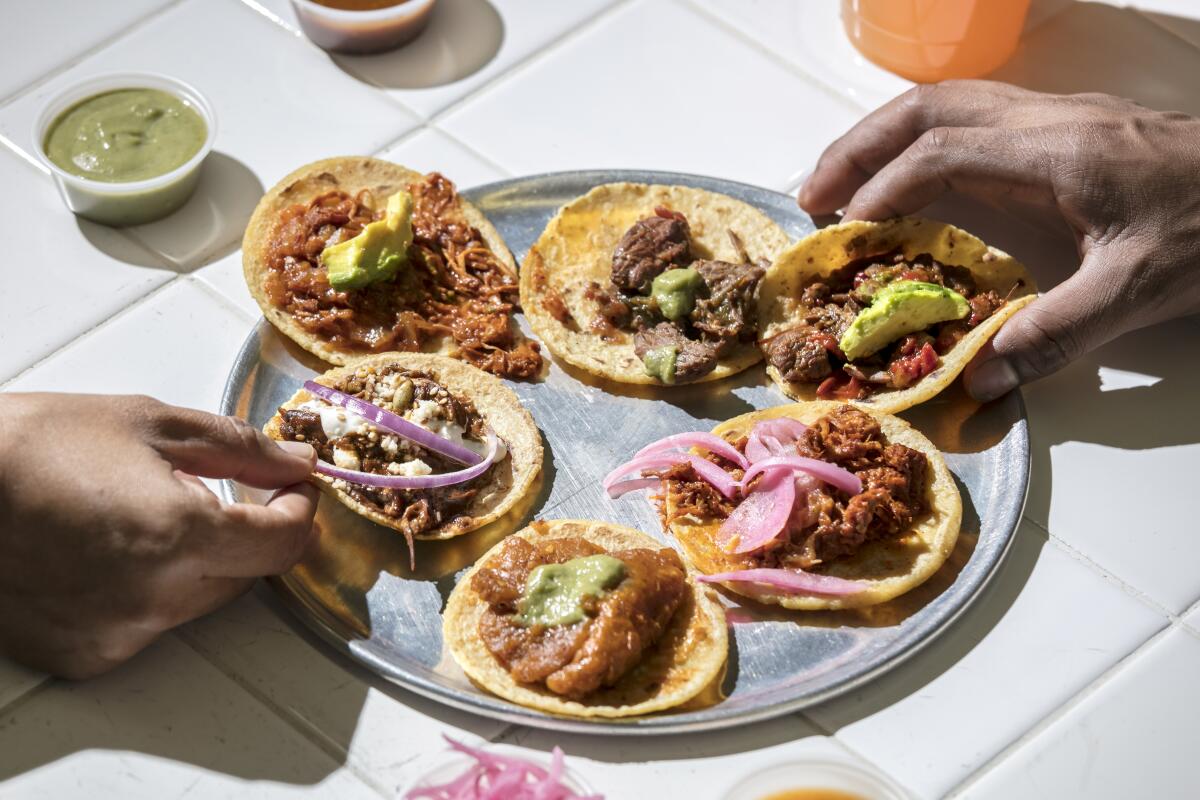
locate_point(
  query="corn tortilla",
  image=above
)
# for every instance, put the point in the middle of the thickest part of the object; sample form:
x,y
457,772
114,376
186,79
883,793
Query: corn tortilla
x,y
576,248
508,481
350,174
888,567
831,248
687,659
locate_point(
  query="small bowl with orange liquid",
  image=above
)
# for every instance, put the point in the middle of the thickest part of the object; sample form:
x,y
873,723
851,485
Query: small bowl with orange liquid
x,y
362,26
815,779
934,40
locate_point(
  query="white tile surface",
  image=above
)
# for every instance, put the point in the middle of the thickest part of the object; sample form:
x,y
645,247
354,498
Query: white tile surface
x,y
1134,736
176,346
1095,444
388,733
165,725
278,105
731,111
1044,628
73,27
64,275
699,766
467,44
226,277
16,680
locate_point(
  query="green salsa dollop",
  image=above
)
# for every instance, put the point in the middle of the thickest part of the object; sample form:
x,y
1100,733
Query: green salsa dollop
x,y
554,593
125,135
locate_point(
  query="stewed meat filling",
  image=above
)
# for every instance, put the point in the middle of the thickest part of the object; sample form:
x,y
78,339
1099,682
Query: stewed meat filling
x,y
452,286
618,627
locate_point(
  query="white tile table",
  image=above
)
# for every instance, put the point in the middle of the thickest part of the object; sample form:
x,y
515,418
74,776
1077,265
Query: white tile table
x,y
1073,675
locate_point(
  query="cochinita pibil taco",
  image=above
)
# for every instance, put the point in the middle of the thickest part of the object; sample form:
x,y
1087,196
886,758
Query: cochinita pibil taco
x,y
884,314
650,284
424,444
354,256
817,505
586,619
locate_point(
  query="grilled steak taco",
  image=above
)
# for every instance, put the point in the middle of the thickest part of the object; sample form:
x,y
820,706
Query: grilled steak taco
x,y
423,444
885,314
354,256
586,619
815,505
650,284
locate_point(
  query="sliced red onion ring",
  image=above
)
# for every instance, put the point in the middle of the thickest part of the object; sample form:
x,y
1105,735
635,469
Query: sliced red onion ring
x,y
832,474
762,516
721,480
396,424
710,442
790,581
772,437
414,481
632,485
785,429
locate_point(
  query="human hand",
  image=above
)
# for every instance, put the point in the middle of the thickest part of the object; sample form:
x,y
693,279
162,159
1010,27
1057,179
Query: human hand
x,y
1123,178
106,537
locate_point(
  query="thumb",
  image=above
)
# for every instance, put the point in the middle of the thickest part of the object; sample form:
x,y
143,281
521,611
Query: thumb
x,y
213,446
1075,317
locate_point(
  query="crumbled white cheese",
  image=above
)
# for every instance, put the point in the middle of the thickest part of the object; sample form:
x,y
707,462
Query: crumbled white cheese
x,y
431,416
346,458
410,468
390,444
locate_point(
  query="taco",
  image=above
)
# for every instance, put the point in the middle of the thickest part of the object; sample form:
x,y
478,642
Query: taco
x,y
650,284
586,619
446,407
354,256
884,314
817,505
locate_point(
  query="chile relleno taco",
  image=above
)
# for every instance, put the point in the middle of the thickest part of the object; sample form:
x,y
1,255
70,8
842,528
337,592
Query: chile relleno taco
x,y
650,284
426,445
884,314
354,256
817,505
586,619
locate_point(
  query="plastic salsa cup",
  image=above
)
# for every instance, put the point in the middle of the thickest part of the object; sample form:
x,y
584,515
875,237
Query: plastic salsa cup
x,y
815,774
128,202
373,31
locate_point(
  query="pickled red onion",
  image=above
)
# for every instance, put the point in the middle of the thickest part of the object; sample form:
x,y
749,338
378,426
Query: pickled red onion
x,y
788,580
832,474
498,777
771,437
710,442
762,516
721,480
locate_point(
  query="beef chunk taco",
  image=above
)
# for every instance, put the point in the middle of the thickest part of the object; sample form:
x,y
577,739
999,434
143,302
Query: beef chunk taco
x,y
354,256
650,284
817,505
884,314
586,619
423,444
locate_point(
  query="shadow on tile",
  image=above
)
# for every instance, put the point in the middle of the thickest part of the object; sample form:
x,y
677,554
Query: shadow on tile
x,y
208,227
462,38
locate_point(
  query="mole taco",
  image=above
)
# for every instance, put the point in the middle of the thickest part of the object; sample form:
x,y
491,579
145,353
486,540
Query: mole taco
x,y
586,619
817,505
885,314
650,284
423,444
354,256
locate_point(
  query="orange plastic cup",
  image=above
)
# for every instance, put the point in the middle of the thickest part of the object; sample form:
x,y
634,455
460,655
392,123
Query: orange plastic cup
x,y
932,40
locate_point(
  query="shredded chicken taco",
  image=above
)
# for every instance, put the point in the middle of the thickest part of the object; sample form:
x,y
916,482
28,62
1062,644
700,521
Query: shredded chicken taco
x,y
817,505
355,256
651,284
884,314
426,445
586,619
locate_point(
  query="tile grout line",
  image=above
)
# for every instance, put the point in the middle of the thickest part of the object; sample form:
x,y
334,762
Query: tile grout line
x,y
1149,17
88,52
222,298
20,700
1060,712
852,750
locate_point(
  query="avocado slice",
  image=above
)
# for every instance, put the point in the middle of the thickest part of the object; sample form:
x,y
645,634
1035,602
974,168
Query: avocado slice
x,y
376,252
898,309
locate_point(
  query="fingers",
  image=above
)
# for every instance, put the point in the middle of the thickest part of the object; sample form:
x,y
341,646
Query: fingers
x,y
1077,316
250,540
980,162
214,446
888,131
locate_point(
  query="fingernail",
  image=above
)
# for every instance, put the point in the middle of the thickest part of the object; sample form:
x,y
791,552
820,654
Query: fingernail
x,y
992,379
298,449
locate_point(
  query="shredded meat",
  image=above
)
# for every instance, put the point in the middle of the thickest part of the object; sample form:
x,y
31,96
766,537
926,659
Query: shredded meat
x,y
453,285
693,358
652,246
727,310
576,660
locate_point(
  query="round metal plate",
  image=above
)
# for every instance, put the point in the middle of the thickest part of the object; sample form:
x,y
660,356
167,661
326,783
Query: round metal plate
x,y
356,591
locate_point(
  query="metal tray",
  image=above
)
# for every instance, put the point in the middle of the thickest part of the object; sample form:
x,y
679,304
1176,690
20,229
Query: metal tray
x,y
356,591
